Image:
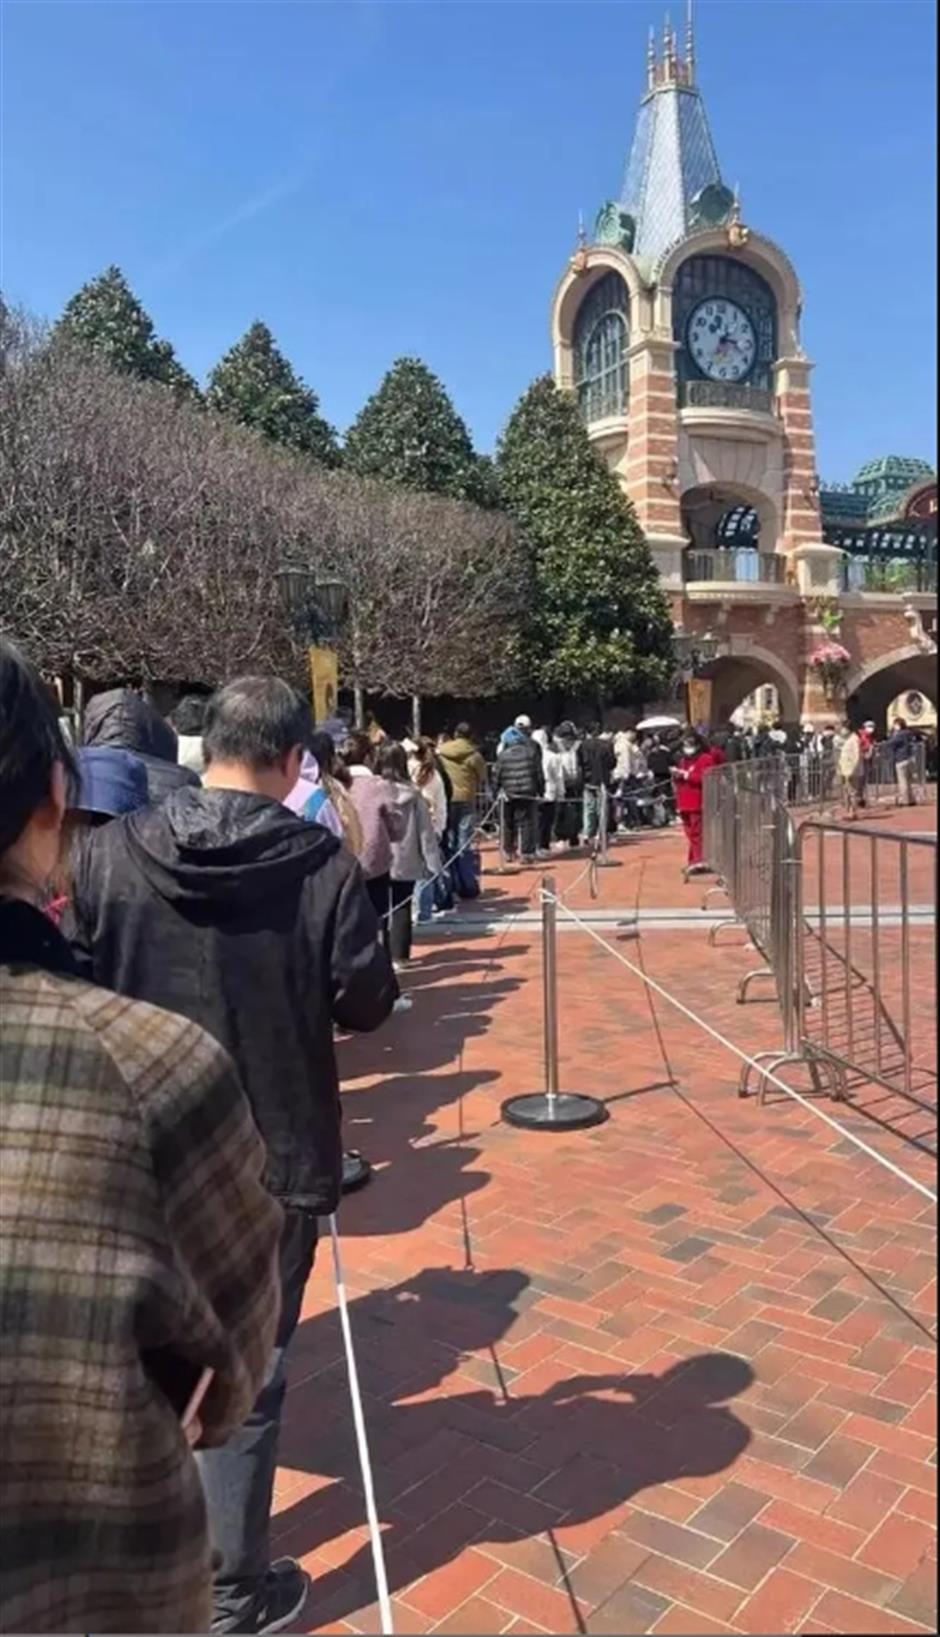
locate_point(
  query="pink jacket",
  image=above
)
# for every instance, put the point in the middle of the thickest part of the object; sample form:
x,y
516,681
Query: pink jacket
x,y
382,823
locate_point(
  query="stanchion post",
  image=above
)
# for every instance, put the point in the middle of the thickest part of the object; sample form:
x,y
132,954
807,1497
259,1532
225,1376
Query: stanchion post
x,y
551,1109
501,832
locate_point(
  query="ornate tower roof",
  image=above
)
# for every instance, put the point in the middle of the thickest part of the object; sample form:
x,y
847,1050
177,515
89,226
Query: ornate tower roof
x,y
672,184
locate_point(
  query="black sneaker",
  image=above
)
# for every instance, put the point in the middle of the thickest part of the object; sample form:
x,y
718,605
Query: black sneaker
x,y
277,1604
285,1595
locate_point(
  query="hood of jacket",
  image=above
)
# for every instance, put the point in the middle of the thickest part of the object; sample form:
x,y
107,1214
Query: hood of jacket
x,y
458,750
122,718
212,847
512,736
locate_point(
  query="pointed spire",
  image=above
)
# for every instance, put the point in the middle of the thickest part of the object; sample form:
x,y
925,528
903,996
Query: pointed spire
x,y
669,50
651,60
689,45
582,235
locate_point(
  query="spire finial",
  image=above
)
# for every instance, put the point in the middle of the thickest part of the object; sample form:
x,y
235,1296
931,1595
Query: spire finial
x,y
651,60
669,52
582,235
690,44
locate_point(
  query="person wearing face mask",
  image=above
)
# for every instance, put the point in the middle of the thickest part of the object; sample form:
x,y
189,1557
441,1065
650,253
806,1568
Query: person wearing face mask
x,y
689,773
138,1248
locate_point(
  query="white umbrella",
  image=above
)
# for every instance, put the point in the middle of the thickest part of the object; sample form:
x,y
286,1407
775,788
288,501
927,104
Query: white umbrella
x,y
654,724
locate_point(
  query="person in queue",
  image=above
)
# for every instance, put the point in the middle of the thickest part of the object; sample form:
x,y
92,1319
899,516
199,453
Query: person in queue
x,y
416,854
693,764
189,720
225,906
902,745
521,779
851,770
124,719
597,760
466,769
379,820
137,1250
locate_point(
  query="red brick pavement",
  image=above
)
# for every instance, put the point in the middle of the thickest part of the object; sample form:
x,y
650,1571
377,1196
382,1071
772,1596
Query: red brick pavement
x,y
673,1374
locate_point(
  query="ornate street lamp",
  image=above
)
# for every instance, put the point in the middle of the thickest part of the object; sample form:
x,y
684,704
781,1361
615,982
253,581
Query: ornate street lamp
x,y
316,608
693,654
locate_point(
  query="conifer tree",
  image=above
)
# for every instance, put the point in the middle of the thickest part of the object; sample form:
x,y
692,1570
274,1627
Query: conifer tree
x,y
106,318
255,385
409,434
599,623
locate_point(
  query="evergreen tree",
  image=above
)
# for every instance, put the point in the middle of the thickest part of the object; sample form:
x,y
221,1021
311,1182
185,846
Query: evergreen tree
x,y
410,434
106,317
255,384
599,624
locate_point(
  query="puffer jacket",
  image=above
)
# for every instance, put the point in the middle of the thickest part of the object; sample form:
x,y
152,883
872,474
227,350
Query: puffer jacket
x,y
465,768
519,771
123,719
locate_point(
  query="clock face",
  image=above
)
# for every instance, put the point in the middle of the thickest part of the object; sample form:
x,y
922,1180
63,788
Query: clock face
x,y
722,340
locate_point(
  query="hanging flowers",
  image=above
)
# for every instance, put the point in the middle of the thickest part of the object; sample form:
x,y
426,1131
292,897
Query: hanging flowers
x,y
830,661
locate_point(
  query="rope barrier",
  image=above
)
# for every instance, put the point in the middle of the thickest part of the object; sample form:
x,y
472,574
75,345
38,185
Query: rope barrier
x,y
362,1441
737,1051
428,881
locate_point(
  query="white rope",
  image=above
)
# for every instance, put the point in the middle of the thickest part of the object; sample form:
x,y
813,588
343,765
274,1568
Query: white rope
x,y
362,1441
730,1046
428,881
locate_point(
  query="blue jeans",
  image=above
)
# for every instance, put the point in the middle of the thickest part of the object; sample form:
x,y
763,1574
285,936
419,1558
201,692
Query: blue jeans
x,y
238,1479
591,812
464,871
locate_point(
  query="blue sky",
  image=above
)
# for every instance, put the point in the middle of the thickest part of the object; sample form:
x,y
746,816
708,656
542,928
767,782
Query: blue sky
x,y
375,179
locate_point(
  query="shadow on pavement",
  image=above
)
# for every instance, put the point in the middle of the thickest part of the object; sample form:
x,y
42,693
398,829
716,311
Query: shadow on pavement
x,y
479,1464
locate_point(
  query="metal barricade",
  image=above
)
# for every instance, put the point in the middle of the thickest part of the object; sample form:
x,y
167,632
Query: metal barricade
x,y
866,957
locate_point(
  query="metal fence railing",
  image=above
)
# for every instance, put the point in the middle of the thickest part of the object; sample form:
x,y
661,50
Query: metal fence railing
x,y
843,918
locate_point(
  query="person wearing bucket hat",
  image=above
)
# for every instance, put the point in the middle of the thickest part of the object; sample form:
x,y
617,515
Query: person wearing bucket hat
x,y
112,783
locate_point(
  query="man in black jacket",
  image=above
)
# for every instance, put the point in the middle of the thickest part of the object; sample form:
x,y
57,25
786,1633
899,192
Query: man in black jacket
x,y
520,777
596,761
222,905
124,720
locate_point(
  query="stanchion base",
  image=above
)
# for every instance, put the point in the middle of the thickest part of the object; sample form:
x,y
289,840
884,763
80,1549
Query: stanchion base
x,y
356,1173
569,1111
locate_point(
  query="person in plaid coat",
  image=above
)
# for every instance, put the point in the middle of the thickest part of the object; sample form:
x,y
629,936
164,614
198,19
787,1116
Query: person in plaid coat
x,y
137,1250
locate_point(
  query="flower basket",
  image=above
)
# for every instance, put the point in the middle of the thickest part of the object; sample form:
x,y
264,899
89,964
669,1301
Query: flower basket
x,y
831,662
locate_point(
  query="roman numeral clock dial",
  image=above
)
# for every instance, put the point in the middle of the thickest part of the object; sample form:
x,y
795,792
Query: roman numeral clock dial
x,y
721,340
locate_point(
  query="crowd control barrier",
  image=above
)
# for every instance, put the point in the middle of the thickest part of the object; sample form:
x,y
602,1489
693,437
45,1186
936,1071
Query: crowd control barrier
x,y
843,918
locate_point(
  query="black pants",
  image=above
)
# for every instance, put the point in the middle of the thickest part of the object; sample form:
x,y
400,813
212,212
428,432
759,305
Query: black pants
x,y
238,1479
379,889
399,940
547,810
519,831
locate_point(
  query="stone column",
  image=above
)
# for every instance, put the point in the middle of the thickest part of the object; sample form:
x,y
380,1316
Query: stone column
x,y
801,523
651,478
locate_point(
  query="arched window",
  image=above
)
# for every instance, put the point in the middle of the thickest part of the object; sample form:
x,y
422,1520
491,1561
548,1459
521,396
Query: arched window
x,y
601,338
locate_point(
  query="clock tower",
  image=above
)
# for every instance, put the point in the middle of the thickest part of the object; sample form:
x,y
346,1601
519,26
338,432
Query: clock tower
x,y
677,325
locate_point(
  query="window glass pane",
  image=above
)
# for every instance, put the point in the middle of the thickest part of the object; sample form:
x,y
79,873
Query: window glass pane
x,y
601,338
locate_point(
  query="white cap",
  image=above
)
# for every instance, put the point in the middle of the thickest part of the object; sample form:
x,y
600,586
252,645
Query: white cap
x,y
524,722
870,726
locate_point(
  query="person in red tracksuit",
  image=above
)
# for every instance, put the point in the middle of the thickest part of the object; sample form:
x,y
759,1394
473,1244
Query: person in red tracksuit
x,y
693,764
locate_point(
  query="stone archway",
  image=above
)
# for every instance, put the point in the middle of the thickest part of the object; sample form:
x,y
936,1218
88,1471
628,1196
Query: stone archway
x,y
741,671
873,687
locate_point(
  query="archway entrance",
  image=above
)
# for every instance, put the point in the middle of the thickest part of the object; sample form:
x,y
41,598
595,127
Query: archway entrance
x,y
731,533
873,694
757,680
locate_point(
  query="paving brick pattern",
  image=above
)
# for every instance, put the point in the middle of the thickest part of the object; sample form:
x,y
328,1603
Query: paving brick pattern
x,y
674,1374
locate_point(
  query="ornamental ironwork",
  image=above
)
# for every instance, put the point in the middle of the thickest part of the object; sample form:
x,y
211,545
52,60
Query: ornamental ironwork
x,y
917,541
601,339
702,278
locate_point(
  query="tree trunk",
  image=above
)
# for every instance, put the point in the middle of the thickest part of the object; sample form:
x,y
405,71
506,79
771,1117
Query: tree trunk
x,y
416,716
359,705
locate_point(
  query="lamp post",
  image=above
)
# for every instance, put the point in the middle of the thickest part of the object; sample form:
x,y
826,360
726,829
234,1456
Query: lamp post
x,y
693,654
316,609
